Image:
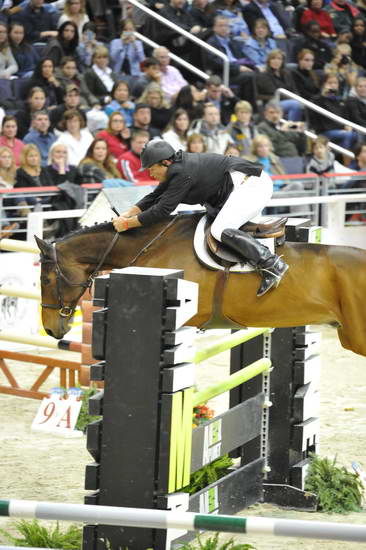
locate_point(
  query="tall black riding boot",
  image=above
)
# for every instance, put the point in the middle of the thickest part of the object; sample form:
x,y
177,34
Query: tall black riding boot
x,y
269,265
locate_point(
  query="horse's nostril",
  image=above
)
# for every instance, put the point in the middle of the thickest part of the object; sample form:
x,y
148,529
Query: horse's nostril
x,y
49,332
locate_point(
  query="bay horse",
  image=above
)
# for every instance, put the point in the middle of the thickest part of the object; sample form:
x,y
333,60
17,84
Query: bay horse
x,y
325,284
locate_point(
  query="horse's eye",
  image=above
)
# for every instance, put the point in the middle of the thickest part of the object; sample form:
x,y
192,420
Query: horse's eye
x,y
45,280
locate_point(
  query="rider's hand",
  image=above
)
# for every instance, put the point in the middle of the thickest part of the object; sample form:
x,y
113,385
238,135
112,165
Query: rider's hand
x,y
120,224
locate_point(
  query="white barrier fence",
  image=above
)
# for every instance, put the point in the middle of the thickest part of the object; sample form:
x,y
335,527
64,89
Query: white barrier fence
x,y
162,519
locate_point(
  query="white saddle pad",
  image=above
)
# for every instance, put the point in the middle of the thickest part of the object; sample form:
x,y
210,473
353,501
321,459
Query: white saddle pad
x,y
200,247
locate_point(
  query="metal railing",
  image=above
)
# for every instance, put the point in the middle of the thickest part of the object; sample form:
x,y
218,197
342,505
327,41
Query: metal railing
x,y
172,56
322,111
189,36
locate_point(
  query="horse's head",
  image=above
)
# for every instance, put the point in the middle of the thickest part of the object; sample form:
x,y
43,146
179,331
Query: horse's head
x,y
61,289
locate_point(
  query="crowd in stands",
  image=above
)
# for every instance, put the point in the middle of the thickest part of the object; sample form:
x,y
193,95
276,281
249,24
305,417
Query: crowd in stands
x,y
79,102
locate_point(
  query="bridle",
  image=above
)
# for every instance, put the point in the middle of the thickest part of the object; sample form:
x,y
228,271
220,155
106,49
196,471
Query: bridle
x,y
66,311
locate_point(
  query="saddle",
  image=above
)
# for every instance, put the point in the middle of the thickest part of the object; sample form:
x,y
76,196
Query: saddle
x,y
268,228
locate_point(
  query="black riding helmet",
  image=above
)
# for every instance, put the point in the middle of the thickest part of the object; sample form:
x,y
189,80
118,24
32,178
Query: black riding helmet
x,y
155,151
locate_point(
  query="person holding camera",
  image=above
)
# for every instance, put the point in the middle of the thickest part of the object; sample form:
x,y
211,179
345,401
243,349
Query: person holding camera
x,y
343,66
331,100
126,52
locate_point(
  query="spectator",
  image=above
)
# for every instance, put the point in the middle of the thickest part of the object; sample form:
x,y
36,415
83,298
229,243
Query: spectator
x,y
88,44
72,100
9,129
7,168
191,100
216,136
24,53
75,136
312,41
232,151
177,13
330,100
356,103
177,131
222,97
41,135
74,10
44,77
286,142
232,10
126,52
262,152
305,78
160,108
274,14
241,70
196,143
315,12
36,101
242,130
342,14
203,16
171,79
277,76
65,44
116,135
321,159
58,168
69,78
359,162
121,102
343,67
31,173
100,78
257,47
142,120
151,73
358,42
97,165
129,163
8,65
39,23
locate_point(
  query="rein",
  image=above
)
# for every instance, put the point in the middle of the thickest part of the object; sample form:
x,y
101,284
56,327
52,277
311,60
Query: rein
x,y
68,310
149,244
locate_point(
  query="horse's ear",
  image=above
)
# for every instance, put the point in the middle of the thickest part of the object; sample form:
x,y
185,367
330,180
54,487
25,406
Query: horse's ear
x,y
45,248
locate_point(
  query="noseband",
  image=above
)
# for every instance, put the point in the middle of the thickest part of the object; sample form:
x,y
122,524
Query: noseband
x,y
66,311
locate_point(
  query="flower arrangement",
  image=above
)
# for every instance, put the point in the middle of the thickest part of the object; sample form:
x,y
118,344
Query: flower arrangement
x,y
201,413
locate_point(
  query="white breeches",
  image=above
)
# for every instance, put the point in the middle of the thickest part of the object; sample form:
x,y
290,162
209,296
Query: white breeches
x,y
245,202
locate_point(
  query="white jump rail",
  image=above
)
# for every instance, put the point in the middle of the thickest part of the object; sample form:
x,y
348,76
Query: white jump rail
x,y
162,519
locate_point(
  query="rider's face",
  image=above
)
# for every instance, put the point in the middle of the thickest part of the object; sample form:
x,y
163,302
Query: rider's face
x,y
158,172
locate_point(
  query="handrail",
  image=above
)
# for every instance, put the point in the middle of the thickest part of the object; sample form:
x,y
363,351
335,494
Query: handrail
x,y
332,145
174,57
179,30
322,111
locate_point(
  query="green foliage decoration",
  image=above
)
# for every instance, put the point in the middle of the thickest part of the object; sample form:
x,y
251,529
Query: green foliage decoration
x,y
213,543
35,535
209,474
339,491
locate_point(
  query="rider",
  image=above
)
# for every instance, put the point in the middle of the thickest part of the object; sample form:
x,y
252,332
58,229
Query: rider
x,y
231,188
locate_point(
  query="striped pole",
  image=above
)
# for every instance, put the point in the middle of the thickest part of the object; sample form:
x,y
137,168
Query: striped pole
x,y
161,519
37,340
18,246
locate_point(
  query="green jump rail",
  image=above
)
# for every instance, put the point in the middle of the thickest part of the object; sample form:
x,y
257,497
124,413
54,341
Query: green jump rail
x,y
232,381
228,342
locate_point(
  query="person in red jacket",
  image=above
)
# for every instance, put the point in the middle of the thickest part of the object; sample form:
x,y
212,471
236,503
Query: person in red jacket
x,y
129,163
116,135
315,12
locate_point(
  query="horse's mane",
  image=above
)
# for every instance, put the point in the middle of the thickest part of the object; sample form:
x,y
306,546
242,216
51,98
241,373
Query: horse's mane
x,y
107,227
